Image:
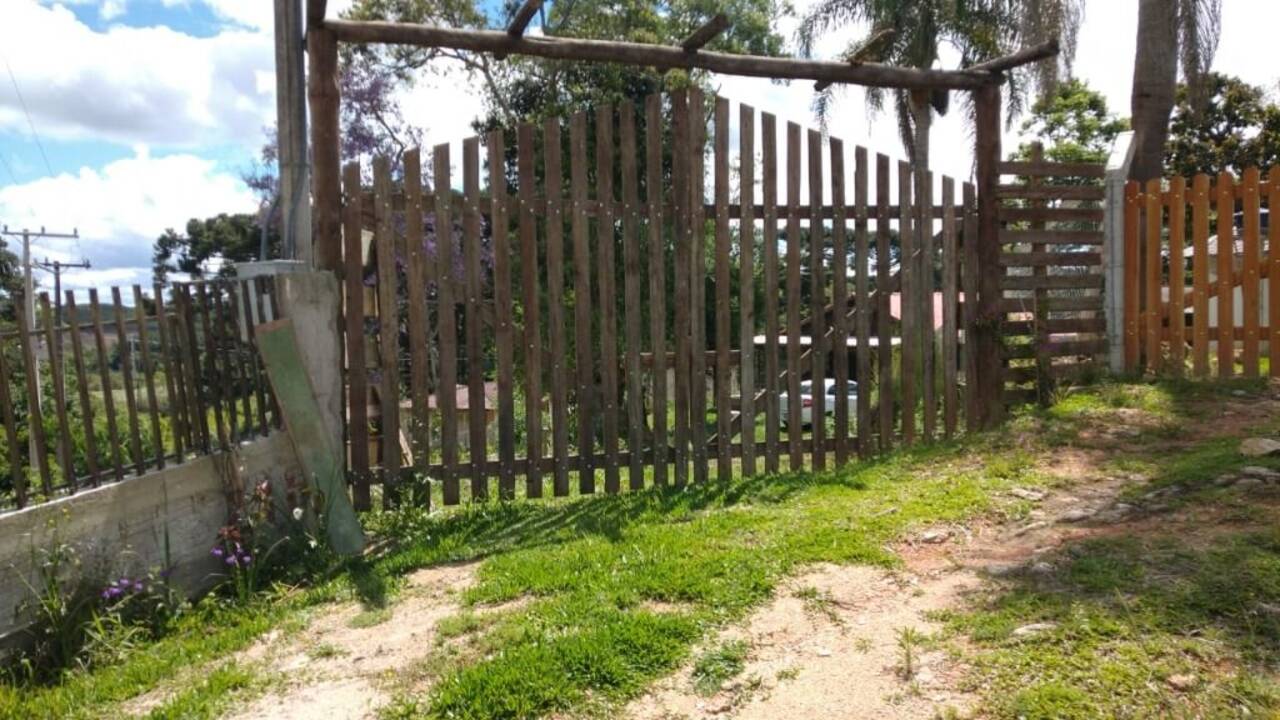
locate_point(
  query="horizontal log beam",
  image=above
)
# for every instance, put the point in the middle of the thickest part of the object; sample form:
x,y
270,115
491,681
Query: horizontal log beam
x,y
662,57
1025,56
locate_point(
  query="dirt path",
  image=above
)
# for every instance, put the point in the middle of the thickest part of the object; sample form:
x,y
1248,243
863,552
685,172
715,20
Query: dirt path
x,y
842,656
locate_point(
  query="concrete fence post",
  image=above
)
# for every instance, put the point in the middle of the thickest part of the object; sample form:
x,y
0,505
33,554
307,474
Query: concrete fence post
x,y
1113,247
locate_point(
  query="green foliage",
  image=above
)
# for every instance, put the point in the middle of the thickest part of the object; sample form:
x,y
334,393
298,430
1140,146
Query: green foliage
x,y
225,238
1073,124
1238,128
719,664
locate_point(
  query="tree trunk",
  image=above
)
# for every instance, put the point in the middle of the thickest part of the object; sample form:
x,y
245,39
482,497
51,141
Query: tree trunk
x,y
1155,77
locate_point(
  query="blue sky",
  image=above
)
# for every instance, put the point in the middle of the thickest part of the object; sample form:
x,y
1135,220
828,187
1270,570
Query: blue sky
x,y
149,110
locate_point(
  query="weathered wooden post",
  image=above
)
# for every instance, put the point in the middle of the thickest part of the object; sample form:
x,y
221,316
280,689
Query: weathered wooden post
x,y
985,328
326,186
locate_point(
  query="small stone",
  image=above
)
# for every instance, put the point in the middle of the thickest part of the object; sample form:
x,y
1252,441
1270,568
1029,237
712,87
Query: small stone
x,y
1269,609
1224,480
1239,393
1257,447
720,708
1248,482
934,537
1181,681
1030,527
1000,570
1075,515
822,652
1260,472
1034,629
1027,494
1041,568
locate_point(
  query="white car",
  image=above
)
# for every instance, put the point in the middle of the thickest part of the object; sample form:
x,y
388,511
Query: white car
x,y
829,401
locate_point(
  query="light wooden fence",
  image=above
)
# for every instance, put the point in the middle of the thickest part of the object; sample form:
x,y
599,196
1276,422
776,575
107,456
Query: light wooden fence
x,y
122,389
633,329
1202,297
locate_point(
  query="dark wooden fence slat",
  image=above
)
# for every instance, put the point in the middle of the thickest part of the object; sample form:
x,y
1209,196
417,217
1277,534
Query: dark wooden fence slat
x,y
255,360
149,375
53,340
928,378
241,333
632,309
353,330
173,387
840,303
909,303
415,255
532,310
884,327
1226,267
950,303
862,308
447,322
769,241
82,386
794,424
388,328
746,285
969,281
503,331
680,171
226,372
474,285
657,284
213,379
189,351
18,476
104,375
697,285
607,297
35,414
582,300
818,301
724,416
553,165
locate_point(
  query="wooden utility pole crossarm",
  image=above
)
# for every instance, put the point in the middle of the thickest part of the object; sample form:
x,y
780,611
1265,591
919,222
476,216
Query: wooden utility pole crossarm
x,y
658,56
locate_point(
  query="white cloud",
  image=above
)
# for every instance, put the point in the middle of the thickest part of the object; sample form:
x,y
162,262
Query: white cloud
x,y
127,84
120,209
111,9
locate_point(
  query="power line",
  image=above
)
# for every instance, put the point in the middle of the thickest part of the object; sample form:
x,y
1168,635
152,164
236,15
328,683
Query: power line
x,y
9,168
22,101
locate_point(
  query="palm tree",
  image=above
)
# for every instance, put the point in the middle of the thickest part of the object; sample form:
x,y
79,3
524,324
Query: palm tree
x,y
911,32
1171,33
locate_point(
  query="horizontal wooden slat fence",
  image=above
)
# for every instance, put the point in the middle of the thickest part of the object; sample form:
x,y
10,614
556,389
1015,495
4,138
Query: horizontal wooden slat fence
x,y
1054,327
1199,261
598,308
128,382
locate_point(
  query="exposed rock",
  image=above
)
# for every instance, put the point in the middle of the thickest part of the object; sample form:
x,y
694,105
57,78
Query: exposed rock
x,y
1041,568
1027,494
1239,393
999,570
1034,629
935,536
1030,527
1224,480
1257,447
1260,472
1245,483
1075,515
1181,681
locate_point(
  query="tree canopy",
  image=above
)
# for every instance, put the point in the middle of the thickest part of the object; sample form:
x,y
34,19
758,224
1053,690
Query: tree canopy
x,y
1238,126
1074,124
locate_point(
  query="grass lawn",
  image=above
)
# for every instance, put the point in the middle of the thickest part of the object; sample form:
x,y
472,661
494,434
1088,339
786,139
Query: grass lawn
x,y
599,596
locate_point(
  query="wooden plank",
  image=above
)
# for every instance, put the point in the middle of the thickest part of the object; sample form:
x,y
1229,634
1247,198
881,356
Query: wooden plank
x,y
104,376
1132,273
35,414
18,476
238,348
53,342
608,297
1200,275
969,282
474,289
582,300
1023,305
255,360
724,464
1052,169
130,398
446,282
657,282
924,311
840,304
504,331
189,354
321,462
697,285
1250,287
884,360
769,241
1050,259
1050,214
794,371
633,310
353,316
1153,275
149,374
552,163
1052,282
817,305
175,391
1177,273
213,376
950,302
532,298
862,308
417,273
680,180
1051,192
225,368
910,297
746,284
82,386
1273,264
1013,328
264,300
1226,240
1052,237
988,382
1060,348
388,330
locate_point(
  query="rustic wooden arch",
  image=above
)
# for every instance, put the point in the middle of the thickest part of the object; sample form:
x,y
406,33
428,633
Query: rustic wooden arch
x,y
983,81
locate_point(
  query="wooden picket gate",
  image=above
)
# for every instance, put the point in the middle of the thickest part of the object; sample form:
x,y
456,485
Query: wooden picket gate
x,y
1227,266
1052,240
629,324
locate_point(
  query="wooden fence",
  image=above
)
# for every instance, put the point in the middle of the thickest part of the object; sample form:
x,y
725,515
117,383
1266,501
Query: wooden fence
x,y
1054,327
122,389
1208,294
633,329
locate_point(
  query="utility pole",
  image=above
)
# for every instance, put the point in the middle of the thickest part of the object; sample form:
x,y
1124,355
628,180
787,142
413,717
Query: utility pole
x,y
291,132
56,267
28,294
